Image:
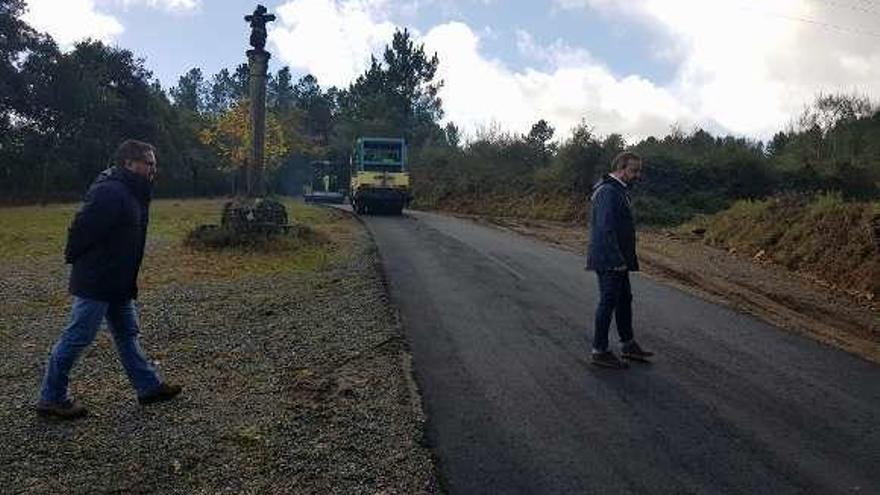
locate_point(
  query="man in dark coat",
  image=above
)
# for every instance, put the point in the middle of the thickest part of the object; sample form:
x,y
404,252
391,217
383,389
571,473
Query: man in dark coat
x,y
105,245
612,255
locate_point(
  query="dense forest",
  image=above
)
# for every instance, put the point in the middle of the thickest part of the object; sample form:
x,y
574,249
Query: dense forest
x,y
62,114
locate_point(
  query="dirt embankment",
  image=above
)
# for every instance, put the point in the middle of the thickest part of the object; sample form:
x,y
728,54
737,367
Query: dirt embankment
x,y
533,205
795,301
835,242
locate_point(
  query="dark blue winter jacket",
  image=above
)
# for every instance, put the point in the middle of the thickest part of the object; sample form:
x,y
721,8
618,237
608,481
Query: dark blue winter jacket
x,y
613,232
105,242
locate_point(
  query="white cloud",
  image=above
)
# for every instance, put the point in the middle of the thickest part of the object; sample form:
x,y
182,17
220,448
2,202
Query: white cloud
x,y
478,90
333,40
558,54
751,66
746,67
168,5
71,20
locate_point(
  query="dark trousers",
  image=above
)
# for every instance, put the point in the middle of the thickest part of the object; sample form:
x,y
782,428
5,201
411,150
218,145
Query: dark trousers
x,y
615,299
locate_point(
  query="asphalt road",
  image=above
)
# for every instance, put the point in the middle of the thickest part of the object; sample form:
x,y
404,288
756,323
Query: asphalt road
x,y
499,324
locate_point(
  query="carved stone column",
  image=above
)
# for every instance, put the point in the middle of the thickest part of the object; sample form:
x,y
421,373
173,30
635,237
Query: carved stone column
x,y
258,61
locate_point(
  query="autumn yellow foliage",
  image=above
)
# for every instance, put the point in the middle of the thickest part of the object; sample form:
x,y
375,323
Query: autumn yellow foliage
x,y
230,135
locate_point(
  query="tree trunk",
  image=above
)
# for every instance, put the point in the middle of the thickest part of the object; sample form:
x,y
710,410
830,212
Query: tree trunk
x,y
44,183
195,180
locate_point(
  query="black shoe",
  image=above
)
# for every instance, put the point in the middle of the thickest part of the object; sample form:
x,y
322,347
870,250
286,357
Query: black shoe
x,y
66,409
607,359
161,394
632,350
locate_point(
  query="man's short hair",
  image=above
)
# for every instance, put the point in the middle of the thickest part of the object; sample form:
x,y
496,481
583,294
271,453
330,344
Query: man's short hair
x,y
622,158
132,149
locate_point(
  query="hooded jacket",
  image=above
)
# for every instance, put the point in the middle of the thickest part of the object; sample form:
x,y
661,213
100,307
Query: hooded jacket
x,y
613,233
105,241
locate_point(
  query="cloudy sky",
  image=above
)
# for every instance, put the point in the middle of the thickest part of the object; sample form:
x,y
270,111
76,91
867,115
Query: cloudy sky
x,y
631,66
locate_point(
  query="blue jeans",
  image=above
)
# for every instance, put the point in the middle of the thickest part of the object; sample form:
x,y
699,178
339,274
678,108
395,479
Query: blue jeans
x,y
615,299
86,318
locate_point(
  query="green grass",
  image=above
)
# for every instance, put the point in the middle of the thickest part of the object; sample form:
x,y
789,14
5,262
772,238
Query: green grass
x,y
748,208
34,231
36,234
173,219
826,204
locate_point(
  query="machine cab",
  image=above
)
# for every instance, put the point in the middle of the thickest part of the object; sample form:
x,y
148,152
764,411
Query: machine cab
x,y
379,155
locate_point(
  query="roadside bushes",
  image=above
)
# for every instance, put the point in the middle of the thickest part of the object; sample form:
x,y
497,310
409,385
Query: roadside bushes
x,y
833,146
531,177
503,174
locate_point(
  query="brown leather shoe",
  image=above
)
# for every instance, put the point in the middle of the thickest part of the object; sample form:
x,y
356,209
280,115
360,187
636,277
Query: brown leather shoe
x,y
164,392
67,409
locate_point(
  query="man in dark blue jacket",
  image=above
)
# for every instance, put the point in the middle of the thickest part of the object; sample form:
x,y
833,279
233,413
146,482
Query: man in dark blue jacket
x,y
105,245
612,255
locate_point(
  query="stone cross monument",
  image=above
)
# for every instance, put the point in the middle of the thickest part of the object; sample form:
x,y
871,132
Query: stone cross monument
x,y
255,213
258,60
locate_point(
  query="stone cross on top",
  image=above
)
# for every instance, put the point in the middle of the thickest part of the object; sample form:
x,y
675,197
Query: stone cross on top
x,y
258,22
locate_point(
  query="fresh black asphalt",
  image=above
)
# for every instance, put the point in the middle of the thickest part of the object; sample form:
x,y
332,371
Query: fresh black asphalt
x,y
498,325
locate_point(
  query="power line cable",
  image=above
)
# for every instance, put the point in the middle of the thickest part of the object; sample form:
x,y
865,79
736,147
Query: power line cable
x,y
828,25
871,3
839,5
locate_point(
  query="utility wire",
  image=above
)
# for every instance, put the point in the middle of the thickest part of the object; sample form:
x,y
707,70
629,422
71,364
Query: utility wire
x,y
846,6
828,25
871,3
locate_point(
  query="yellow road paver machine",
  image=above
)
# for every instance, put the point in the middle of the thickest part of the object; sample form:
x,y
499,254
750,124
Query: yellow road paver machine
x,y
379,180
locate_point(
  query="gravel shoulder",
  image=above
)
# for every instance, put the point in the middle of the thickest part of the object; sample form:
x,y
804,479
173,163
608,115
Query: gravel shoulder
x,y
779,296
294,382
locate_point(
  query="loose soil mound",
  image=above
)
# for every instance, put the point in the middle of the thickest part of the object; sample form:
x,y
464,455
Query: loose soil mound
x,y
835,241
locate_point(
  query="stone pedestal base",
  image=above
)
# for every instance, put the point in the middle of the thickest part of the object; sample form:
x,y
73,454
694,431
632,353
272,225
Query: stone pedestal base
x,y
252,223
258,215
